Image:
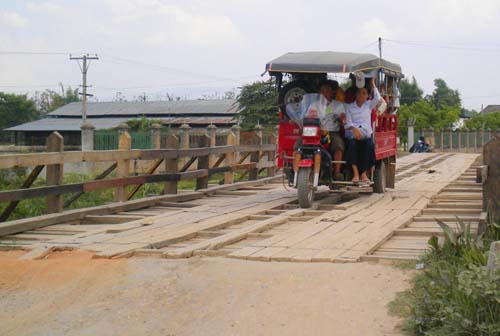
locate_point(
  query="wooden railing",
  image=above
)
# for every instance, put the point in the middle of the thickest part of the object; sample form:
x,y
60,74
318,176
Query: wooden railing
x,y
177,162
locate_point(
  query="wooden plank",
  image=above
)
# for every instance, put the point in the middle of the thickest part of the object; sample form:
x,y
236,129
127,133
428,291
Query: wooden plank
x,y
26,184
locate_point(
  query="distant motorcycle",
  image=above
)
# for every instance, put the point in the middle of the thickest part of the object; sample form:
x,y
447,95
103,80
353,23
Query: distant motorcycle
x,y
421,146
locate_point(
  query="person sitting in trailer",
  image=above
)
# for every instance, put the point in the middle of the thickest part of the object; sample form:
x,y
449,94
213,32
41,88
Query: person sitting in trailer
x,y
334,118
350,92
360,149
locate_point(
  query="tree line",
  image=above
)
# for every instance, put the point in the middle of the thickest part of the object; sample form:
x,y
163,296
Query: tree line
x,y
16,109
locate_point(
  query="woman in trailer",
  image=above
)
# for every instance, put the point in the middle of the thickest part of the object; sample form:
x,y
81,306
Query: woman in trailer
x,y
360,150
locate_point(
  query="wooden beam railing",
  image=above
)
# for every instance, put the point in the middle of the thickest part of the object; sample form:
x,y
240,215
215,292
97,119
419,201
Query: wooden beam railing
x,y
210,160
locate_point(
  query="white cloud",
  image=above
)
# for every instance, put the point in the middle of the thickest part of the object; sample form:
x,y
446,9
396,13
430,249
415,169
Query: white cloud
x,y
13,20
372,29
164,23
47,6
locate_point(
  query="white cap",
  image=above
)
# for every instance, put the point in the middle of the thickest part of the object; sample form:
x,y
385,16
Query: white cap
x,y
360,79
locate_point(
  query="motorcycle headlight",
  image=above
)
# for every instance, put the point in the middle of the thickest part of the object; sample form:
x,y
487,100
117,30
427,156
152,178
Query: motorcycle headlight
x,y
310,131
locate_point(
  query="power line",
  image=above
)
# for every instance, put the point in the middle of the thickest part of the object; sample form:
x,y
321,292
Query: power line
x,y
443,46
33,53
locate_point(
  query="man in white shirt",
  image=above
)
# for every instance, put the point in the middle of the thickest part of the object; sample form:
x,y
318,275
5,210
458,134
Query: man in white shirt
x,y
334,117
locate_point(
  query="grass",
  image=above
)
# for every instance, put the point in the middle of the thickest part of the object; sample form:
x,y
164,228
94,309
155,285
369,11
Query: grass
x,y
455,294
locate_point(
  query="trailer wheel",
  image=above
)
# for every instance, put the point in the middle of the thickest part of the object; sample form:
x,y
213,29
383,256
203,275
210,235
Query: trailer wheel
x,y
305,190
293,93
379,178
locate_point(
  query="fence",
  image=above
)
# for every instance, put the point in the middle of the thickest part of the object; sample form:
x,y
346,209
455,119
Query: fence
x,y
460,140
177,159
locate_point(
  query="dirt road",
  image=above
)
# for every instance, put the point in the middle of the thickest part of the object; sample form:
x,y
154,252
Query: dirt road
x,y
70,293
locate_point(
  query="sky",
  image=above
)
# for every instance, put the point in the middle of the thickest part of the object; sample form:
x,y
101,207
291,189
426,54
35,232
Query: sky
x,y
202,48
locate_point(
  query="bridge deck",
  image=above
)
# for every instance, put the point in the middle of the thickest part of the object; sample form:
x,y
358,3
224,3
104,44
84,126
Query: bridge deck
x,y
263,222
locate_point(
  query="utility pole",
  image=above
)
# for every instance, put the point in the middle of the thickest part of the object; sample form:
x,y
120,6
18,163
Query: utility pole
x,y
87,129
84,68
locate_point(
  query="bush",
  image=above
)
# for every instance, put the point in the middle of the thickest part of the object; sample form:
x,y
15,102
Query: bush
x,y
455,294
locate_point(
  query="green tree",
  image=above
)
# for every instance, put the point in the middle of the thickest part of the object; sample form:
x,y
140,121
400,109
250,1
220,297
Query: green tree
x,y
16,109
426,115
489,120
258,104
444,96
410,91
49,100
142,124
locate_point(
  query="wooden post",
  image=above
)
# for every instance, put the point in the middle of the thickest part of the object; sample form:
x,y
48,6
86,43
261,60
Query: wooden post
x,y
230,159
459,137
237,132
184,131
442,139
203,163
489,134
171,165
123,166
255,156
212,129
271,157
156,135
55,173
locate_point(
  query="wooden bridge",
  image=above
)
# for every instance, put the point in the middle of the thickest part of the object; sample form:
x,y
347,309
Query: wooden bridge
x,y
258,219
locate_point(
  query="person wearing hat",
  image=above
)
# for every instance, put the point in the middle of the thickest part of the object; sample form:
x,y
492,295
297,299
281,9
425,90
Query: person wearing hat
x,y
360,150
332,121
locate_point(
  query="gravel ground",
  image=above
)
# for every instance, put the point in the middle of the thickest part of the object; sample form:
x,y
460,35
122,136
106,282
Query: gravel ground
x,y
70,293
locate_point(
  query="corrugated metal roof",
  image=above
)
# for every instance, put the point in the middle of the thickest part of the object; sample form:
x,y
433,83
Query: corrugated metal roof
x,y
73,124
166,108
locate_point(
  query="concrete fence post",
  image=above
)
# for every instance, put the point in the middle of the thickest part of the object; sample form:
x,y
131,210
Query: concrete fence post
x,y
474,147
459,138
184,135
123,128
441,135
156,135
450,138
482,138
467,139
87,130
55,173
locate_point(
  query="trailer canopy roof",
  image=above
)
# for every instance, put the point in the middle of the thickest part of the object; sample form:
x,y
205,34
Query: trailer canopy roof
x,y
330,62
